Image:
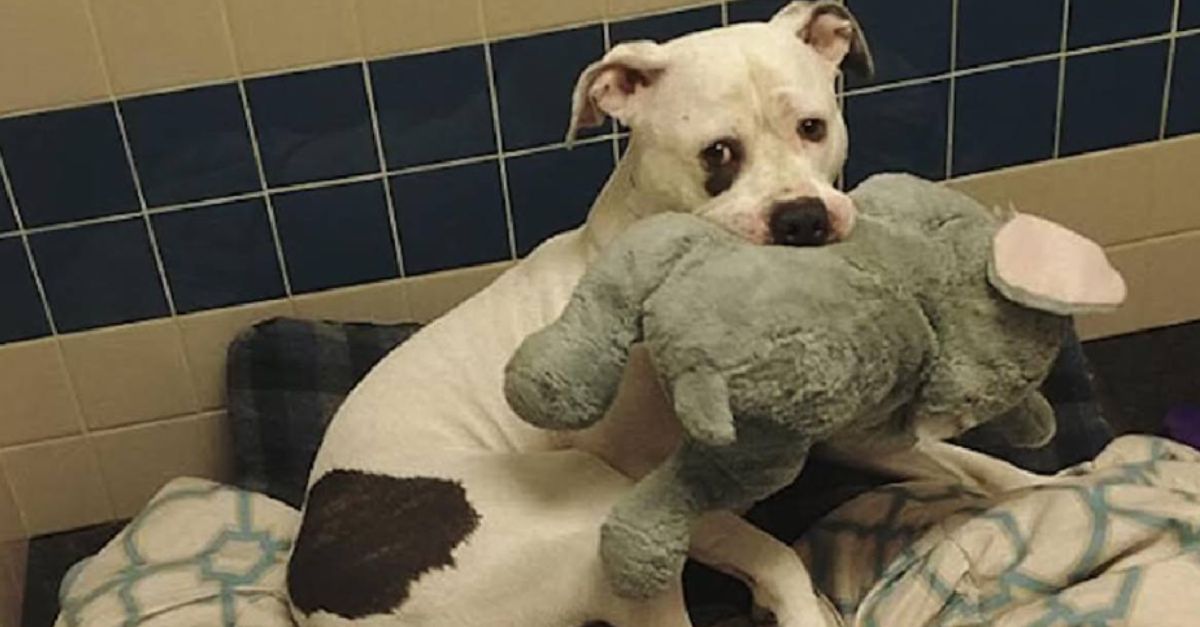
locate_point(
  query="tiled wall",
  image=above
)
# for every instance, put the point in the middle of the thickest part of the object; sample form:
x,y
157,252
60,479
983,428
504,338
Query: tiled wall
x,y
174,171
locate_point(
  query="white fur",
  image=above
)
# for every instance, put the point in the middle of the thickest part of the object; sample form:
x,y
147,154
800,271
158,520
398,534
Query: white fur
x,y
434,407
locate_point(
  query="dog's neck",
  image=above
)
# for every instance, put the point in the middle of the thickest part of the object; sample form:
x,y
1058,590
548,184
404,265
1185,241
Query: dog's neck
x,y
619,205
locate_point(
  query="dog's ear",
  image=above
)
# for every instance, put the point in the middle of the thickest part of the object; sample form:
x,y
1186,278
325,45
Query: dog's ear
x,y
1043,265
616,85
832,31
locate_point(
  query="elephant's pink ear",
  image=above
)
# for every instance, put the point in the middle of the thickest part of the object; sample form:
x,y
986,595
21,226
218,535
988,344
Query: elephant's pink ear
x,y
1046,266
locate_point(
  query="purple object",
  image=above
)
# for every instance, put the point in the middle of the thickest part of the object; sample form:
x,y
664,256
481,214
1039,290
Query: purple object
x,y
1183,425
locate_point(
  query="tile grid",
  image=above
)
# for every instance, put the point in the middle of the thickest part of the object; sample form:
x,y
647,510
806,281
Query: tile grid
x,y
261,172
502,155
1030,60
114,102
379,154
1166,97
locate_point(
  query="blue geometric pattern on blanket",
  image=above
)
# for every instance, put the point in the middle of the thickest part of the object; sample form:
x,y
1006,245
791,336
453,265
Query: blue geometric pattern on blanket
x,y
206,564
980,609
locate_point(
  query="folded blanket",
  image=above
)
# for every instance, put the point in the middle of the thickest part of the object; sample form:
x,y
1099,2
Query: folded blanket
x,y
1112,541
199,554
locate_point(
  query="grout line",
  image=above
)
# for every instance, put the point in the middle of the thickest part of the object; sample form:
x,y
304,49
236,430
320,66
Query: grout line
x,y
131,163
1060,97
950,105
72,387
137,185
299,187
442,165
1050,56
441,48
1185,233
207,202
1166,97
266,191
383,167
24,235
498,131
256,150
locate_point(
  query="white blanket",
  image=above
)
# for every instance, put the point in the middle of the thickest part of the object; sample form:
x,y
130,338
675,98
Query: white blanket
x,y
1115,541
201,554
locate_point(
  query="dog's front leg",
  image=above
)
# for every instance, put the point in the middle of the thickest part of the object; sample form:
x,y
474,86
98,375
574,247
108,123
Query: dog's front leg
x,y
772,570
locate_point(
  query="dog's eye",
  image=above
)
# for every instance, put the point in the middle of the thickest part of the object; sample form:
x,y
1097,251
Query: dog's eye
x,y
720,154
812,129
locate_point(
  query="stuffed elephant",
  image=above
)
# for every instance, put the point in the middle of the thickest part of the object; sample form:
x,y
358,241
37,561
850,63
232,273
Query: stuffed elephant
x,y
935,315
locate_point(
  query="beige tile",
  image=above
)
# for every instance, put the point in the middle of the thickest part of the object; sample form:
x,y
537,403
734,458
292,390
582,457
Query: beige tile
x,y
388,26
131,373
385,302
11,526
625,8
281,34
57,485
517,17
49,55
206,338
13,556
137,461
1161,275
151,44
433,295
1117,196
38,402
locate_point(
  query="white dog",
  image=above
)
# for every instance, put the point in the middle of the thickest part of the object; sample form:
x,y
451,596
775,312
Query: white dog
x,y
431,503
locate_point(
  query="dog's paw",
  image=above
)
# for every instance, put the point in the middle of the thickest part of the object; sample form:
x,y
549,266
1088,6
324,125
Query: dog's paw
x,y
642,560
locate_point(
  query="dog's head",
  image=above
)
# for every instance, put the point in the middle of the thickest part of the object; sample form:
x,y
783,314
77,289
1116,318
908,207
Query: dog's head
x,y
741,124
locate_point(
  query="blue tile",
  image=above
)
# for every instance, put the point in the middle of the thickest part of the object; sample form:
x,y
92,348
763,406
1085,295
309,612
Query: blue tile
x,y
313,125
666,26
1099,112
1005,117
190,145
22,316
67,165
534,80
755,10
99,275
1189,14
450,218
219,255
448,117
7,223
908,39
898,130
991,31
1184,116
336,236
1103,21
552,191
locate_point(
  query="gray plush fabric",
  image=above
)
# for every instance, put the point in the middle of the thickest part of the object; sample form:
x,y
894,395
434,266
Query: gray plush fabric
x,y
766,350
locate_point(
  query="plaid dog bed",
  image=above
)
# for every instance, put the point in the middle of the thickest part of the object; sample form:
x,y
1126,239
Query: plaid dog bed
x,y
285,380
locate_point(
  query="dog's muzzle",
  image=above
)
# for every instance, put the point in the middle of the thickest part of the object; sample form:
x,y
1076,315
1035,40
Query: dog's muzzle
x,y
800,222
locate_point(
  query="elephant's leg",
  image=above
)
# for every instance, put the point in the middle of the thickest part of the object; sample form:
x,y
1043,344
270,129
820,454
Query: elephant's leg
x,y
645,539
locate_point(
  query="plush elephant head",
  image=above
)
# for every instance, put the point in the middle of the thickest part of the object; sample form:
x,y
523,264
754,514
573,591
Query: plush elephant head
x,y
936,315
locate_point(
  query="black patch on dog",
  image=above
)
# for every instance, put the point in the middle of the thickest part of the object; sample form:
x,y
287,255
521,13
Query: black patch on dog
x,y
366,538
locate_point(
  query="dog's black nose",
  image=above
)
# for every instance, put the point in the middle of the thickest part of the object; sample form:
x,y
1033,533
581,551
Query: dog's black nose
x,y
800,222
